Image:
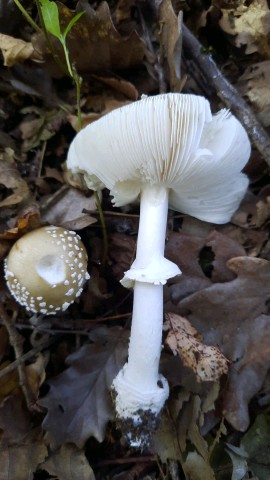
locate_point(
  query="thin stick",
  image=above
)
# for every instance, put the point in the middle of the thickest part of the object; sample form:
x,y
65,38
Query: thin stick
x,y
16,342
229,95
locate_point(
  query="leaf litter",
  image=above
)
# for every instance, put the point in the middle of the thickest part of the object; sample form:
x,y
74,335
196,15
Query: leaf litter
x,y
216,353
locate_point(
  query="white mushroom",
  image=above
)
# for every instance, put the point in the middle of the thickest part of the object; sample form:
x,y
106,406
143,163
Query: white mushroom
x,y
45,270
167,149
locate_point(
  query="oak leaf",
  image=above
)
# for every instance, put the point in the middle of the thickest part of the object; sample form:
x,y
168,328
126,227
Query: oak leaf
x,y
207,362
79,401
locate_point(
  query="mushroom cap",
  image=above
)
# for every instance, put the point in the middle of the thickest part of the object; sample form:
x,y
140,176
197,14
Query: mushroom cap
x,y
45,270
171,140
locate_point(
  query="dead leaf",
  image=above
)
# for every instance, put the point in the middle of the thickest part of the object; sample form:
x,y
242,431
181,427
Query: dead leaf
x,y
120,85
15,50
16,422
196,468
66,210
106,48
248,370
12,180
225,314
68,463
35,373
206,361
250,24
254,211
9,383
19,462
79,402
40,129
255,84
171,42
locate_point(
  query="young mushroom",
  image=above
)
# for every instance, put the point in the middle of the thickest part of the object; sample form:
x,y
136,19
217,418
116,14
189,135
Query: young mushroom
x,y
169,150
45,270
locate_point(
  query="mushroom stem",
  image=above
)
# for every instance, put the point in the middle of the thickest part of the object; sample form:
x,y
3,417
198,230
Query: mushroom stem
x,y
138,386
153,223
147,319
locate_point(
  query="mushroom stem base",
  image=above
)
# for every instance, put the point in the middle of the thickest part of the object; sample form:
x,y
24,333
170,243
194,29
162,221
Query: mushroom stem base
x,y
138,409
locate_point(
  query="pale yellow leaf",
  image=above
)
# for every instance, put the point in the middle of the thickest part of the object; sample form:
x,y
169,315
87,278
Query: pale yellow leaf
x,y
14,50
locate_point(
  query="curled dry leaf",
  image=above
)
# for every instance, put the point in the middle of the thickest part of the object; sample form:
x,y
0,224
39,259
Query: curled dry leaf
x,y
207,362
171,42
15,50
250,24
11,180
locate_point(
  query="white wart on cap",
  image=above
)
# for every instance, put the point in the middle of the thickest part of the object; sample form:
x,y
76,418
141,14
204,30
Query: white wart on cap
x,y
45,270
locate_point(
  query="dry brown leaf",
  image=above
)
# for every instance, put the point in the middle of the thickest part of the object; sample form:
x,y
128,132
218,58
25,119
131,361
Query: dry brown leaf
x,y
79,401
254,211
16,422
19,462
231,315
35,373
68,463
171,42
9,383
196,467
67,210
15,50
207,362
104,49
91,117
251,24
11,180
120,85
255,84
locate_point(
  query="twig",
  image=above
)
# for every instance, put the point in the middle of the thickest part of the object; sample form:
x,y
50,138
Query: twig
x,y
229,95
12,366
16,342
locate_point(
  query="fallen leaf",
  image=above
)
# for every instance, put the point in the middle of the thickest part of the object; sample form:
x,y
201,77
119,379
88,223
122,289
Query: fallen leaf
x,y
254,211
79,402
206,361
67,209
16,422
171,42
19,462
106,48
9,383
120,85
196,468
250,24
12,180
68,463
226,315
35,373
255,84
15,50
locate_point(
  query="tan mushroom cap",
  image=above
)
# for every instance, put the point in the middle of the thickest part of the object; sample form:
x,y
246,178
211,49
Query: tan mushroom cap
x,y
45,270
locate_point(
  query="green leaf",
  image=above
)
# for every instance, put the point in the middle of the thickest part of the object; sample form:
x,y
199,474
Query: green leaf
x,y
72,22
50,16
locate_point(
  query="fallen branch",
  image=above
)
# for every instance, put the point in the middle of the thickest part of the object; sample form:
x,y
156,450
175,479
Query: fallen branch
x,y
227,93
